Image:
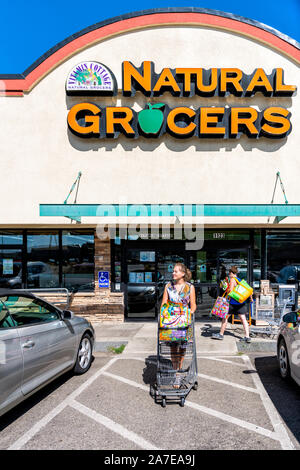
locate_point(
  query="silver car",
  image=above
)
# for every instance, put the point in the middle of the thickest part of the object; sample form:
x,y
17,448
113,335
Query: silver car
x,y
288,347
38,342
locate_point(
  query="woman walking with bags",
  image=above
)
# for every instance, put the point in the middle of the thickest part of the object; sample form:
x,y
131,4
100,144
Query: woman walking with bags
x,y
235,308
180,290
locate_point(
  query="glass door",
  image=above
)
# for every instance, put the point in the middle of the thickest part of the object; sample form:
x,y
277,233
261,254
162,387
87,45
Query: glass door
x,y
166,260
148,266
233,257
212,264
141,282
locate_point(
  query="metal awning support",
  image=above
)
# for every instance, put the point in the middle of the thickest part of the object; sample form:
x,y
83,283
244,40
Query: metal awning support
x,y
277,218
169,210
76,182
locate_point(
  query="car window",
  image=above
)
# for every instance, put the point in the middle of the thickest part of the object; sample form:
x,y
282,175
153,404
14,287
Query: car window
x,y
6,320
27,311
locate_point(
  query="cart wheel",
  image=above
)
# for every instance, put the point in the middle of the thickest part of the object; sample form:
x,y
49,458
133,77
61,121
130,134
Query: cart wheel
x,y
182,400
163,403
195,386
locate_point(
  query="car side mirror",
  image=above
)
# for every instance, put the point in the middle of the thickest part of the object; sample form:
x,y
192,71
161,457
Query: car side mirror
x,y
67,314
291,317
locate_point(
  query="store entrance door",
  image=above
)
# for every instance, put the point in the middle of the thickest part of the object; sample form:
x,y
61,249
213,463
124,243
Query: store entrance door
x,y
148,267
212,265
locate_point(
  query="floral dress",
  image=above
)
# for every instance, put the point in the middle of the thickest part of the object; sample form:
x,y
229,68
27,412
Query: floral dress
x,y
183,296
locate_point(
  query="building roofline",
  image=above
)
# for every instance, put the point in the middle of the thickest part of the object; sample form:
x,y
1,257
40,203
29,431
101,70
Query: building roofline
x,y
17,84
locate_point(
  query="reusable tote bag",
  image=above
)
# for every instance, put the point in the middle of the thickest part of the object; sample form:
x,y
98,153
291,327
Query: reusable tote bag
x,y
241,292
221,307
175,321
175,315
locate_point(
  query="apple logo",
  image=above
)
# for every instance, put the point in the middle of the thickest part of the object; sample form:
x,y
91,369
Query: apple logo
x,y
150,120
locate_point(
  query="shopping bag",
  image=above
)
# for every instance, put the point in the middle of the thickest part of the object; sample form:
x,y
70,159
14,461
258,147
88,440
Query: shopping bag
x,y
221,307
170,335
175,315
241,292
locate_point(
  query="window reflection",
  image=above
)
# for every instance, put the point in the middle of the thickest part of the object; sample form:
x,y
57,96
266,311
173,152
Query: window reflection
x,y
78,260
43,260
11,238
11,268
283,256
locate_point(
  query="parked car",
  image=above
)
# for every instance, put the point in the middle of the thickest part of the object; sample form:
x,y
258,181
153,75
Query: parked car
x,y
288,347
38,343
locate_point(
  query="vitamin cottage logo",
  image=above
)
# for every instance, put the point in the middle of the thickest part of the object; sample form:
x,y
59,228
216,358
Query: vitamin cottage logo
x,y
156,119
90,78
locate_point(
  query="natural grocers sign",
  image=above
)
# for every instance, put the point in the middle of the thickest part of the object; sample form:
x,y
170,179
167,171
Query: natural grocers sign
x,y
92,120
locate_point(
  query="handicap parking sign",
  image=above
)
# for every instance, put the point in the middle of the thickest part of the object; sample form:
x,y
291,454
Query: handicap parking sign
x,y
103,278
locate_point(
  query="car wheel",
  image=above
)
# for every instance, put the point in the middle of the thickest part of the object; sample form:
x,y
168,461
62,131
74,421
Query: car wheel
x,y
283,358
84,356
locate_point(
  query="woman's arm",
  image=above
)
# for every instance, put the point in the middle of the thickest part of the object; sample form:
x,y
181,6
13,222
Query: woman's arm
x,y
232,284
165,297
193,299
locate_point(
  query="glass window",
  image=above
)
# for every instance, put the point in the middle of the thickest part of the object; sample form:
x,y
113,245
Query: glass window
x,y
11,268
10,238
43,260
283,256
27,311
78,260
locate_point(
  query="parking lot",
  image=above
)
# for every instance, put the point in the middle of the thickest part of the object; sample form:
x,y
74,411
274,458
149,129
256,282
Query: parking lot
x,y
241,403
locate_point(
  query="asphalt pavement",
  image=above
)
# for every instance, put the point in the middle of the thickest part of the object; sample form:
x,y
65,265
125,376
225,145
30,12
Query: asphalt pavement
x,y
241,401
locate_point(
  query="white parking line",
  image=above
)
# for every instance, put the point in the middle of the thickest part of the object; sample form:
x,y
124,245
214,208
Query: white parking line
x,y
225,382
19,443
214,379
223,360
279,434
115,427
275,419
206,410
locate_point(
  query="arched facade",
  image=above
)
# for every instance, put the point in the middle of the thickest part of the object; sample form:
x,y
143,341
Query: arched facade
x,y
215,153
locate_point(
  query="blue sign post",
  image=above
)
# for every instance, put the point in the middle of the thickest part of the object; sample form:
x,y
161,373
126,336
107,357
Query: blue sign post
x,y
103,279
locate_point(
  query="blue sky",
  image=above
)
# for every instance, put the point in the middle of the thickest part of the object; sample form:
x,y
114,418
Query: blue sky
x,y
27,32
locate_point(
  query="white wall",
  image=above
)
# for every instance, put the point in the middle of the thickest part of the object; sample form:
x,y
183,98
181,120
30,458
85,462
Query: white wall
x,y
40,158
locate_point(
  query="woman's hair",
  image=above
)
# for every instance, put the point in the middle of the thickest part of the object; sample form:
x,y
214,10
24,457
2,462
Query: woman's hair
x,y
233,270
185,270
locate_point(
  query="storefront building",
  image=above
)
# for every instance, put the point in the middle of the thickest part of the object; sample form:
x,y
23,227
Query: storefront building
x,y
160,136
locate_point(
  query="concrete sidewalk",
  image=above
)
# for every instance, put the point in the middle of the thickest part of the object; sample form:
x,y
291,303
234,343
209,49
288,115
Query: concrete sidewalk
x,y
141,338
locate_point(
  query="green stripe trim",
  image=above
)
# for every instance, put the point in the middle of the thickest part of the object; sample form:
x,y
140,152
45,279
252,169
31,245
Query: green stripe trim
x,y
148,210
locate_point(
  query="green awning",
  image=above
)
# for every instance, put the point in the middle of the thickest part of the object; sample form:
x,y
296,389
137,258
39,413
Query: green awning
x,y
169,210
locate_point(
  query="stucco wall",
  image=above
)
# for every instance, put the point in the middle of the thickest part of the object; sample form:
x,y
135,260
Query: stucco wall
x,y
40,158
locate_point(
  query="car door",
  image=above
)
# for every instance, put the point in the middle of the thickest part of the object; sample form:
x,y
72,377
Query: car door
x,y
46,342
11,361
294,340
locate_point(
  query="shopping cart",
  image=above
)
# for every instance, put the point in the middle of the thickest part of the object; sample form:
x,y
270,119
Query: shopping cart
x,y
271,329
166,374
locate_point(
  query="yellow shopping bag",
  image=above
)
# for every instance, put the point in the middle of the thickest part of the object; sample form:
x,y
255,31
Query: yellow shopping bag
x,y
241,292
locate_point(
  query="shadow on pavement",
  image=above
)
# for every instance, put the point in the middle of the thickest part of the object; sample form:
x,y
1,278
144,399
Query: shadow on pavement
x,y
284,395
149,372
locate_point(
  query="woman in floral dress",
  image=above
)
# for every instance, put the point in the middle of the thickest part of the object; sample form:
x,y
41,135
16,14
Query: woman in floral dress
x,y
180,290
